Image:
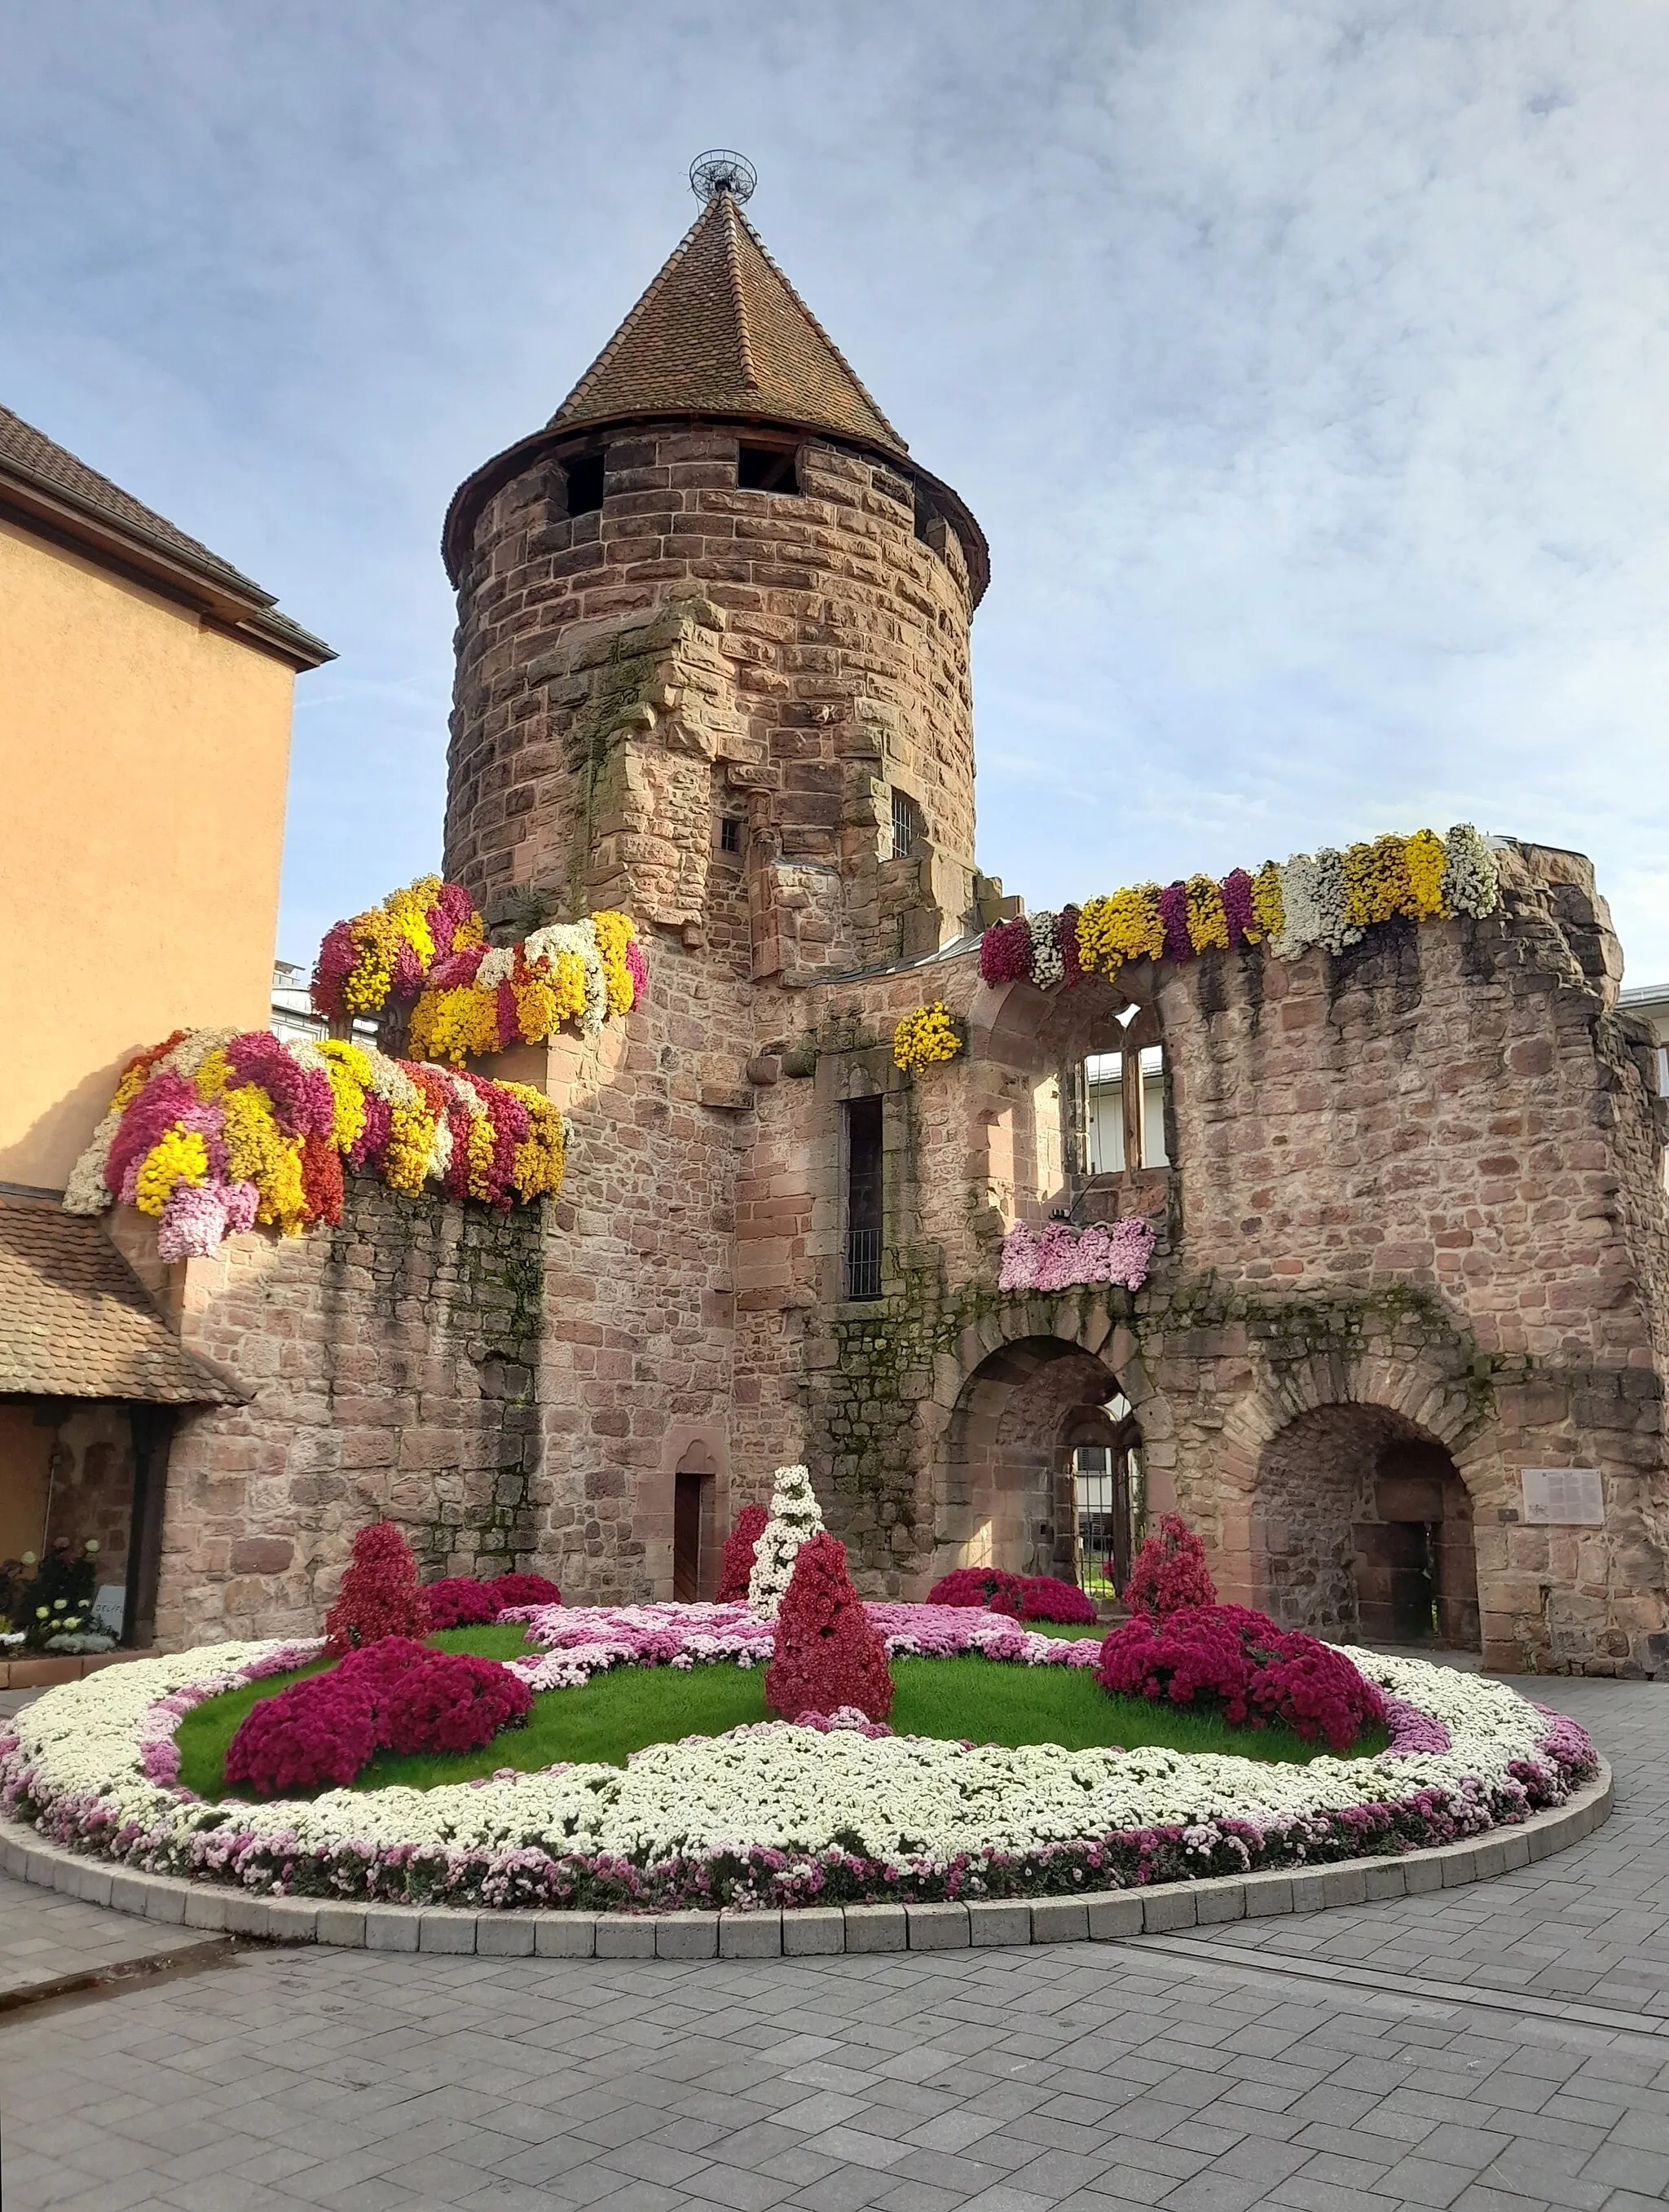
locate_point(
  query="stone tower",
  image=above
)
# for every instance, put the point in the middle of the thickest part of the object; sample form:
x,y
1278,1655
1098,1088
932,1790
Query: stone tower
x,y
712,668
713,641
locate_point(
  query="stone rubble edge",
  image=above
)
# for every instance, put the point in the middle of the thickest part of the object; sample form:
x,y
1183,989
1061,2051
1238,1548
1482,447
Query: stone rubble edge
x,y
807,1931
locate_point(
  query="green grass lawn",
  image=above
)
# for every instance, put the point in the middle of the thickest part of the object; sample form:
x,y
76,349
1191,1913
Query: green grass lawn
x,y
620,1713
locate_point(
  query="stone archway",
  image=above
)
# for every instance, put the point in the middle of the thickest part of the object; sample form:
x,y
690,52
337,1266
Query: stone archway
x,y
1007,1498
1361,1526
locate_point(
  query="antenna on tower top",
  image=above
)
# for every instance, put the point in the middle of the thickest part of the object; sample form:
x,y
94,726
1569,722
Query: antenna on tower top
x,y
720,170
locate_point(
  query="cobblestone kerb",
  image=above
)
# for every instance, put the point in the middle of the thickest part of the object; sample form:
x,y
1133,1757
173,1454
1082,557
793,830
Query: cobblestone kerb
x,y
1097,1917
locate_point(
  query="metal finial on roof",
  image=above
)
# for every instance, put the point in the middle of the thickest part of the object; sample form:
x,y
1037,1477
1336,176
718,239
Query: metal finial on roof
x,y
719,171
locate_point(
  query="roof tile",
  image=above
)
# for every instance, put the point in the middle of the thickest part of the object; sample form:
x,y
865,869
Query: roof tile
x,y
722,332
75,1320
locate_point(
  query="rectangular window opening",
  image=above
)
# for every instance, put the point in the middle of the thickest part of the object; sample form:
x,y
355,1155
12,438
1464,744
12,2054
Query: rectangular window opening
x,y
766,468
730,834
585,483
908,831
861,1150
1105,1118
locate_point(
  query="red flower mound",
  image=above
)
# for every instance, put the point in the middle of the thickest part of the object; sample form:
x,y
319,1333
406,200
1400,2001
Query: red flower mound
x,y
461,1601
381,1594
378,1668
1169,1571
1239,1663
828,1653
314,1735
1022,1597
1046,1597
979,1586
455,1703
740,1547
524,1590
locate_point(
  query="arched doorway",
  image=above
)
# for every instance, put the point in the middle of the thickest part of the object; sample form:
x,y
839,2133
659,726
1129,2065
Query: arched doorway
x,y
1042,1467
1362,1527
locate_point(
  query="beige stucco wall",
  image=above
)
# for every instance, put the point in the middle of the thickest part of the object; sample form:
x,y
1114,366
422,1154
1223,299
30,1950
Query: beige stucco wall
x,y
143,765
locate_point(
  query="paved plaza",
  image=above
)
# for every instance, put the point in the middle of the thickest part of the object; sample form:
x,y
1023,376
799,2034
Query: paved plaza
x,y
1492,2048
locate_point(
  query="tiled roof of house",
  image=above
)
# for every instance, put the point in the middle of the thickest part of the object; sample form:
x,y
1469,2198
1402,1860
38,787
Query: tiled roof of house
x,y
34,462
75,1320
722,332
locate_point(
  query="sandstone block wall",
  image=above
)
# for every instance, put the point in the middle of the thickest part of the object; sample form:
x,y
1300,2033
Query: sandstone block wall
x,y
392,1364
839,670
1420,1182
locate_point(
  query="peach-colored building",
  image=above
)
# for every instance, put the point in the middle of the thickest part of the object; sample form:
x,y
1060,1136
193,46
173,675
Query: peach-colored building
x,y
146,689
145,696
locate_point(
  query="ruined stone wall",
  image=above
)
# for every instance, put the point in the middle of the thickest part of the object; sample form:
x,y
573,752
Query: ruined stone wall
x,y
1422,1176
392,1363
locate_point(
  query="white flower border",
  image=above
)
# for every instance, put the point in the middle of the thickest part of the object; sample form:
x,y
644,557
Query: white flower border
x,y
774,1814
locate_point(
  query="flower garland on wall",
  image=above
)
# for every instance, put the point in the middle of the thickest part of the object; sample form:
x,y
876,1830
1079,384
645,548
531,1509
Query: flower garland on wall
x,y
1058,1257
425,948
1327,898
211,1132
926,1039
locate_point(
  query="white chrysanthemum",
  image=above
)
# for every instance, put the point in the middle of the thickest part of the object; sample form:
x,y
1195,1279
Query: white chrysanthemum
x,y
87,1192
306,1054
496,968
1048,968
189,1055
1313,905
579,938
1471,874
389,1080
796,1516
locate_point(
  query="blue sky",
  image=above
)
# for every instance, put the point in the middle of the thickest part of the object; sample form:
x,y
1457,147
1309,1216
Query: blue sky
x,y
1305,360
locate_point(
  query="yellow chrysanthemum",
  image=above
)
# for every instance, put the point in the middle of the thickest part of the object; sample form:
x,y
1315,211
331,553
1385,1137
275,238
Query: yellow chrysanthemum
x,y
1376,884
480,1148
411,1138
1269,908
349,1074
178,1155
536,1014
214,1078
536,1170
1126,926
376,942
1425,860
253,1142
925,1039
408,911
615,930
283,1199
567,982
455,1025
1207,924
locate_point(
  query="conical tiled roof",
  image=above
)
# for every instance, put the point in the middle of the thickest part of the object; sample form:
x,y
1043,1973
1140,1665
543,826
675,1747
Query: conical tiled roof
x,y
722,332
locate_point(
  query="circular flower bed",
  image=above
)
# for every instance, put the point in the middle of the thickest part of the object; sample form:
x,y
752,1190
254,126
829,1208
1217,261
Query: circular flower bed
x,y
777,1813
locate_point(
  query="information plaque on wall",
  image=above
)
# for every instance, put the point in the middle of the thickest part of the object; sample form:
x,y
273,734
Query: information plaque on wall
x,y
1571,1495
